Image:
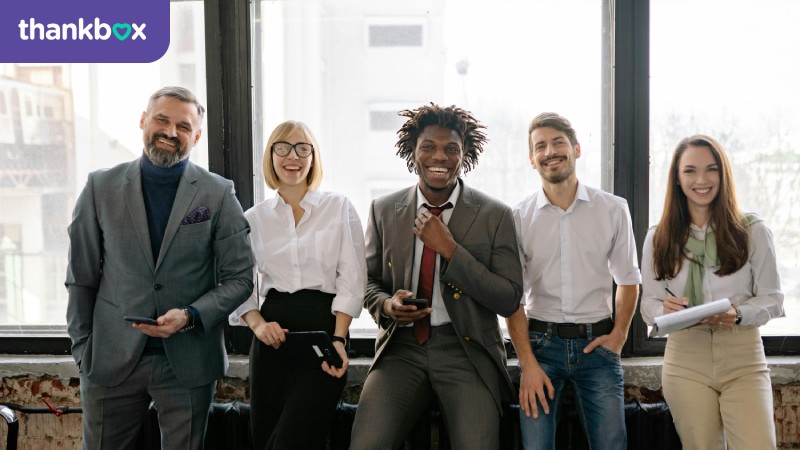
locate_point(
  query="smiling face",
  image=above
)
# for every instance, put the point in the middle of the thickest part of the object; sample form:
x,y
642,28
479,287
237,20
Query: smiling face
x,y
698,176
438,157
552,155
170,129
291,169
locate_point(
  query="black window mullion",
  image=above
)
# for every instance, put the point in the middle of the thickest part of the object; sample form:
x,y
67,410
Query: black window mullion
x,y
631,133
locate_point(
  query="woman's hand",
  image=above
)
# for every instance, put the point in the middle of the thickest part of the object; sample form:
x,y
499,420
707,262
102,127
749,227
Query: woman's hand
x,y
337,372
673,304
721,322
270,333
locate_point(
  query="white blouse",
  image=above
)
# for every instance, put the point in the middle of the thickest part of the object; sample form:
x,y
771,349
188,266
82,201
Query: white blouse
x,y
755,288
324,252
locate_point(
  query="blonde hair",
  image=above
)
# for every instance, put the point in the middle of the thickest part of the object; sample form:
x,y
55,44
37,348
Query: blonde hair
x,y
280,133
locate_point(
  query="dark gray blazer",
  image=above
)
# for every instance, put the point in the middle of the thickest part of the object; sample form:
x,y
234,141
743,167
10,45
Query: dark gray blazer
x,y
482,280
112,273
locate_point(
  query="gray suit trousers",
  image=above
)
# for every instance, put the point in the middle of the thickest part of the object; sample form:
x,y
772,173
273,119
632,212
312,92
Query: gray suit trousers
x,y
113,416
404,381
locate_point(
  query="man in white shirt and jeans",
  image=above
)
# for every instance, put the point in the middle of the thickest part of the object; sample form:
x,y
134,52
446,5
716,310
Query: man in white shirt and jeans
x,y
574,241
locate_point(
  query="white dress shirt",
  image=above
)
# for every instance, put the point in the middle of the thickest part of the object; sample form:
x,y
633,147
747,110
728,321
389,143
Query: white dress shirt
x,y
439,315
755,288
569,257
324,252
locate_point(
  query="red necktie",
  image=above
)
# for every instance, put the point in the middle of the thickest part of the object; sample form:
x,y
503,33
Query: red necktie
x,y
427,269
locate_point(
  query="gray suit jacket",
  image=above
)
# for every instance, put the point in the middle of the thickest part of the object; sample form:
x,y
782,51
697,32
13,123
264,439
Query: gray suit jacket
x,y
112,273
482,280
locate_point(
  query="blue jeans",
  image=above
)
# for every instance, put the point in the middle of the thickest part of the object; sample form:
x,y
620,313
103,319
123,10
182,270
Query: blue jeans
x,y
598,391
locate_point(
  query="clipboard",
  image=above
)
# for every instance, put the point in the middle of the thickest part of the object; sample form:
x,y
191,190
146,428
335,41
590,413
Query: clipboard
x,y
688,317
308,349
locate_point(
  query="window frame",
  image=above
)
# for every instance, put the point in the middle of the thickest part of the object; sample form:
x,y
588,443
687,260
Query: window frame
x,y
230,68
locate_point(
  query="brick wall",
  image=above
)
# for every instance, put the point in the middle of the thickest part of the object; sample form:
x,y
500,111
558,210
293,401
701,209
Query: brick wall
x,y
47,431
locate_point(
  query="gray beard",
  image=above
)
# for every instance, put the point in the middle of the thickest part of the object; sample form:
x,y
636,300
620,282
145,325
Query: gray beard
x,y
163,158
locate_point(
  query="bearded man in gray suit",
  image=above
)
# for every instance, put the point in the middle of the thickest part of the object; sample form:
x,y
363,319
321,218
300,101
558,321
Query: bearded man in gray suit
x,y
160,238
450,349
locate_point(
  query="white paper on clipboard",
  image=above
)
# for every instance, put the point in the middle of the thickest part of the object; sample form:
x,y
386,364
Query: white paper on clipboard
x,y
679,320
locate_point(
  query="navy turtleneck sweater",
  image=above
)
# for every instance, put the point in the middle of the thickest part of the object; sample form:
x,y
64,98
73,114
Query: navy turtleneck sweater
x,y
159,187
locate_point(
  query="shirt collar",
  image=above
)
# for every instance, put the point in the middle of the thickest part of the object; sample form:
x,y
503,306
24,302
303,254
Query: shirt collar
x,y
421,200
580,194
312,198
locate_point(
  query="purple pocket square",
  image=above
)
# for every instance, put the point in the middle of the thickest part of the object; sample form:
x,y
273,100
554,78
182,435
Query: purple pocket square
x,y
200,214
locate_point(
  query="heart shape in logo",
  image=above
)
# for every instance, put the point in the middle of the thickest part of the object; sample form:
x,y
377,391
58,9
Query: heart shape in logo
x,y
121,26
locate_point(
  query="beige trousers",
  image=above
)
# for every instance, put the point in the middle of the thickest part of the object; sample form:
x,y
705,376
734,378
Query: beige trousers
x,y
718,389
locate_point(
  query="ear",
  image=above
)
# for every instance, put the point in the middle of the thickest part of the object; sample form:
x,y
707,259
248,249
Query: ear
x,y
533,161
577,151
141,120
197,136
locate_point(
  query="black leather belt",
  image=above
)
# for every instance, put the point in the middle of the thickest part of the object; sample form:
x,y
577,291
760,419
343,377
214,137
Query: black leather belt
x,y
572,330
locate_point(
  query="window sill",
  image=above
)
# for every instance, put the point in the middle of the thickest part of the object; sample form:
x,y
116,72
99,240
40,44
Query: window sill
x,y
640,372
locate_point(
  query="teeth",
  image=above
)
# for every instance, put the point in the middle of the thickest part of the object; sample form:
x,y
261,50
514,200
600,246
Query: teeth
x,y
165,141
703,191
438,169
291,167
553,161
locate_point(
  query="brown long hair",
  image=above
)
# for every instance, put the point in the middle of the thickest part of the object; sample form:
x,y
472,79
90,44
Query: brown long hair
x,y
725,218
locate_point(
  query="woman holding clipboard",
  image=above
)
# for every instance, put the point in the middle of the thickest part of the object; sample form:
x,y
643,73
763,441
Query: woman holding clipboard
x,y
308,248
715,376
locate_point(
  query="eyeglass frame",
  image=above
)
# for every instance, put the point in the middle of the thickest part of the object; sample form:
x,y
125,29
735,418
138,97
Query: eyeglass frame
x,y
293,148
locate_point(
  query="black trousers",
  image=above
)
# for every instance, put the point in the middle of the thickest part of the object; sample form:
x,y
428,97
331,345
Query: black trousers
x,y
292,408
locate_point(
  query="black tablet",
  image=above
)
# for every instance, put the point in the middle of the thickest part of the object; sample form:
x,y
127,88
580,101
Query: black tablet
x,y
307,349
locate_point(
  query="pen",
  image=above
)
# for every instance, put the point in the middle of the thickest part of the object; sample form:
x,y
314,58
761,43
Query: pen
x,y
670,293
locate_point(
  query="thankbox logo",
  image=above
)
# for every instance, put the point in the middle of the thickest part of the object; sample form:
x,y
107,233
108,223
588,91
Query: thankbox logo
x,y
32,30
93,31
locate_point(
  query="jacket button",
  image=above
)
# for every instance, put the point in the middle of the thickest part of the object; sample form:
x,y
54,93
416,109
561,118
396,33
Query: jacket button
x,y
390,264
157,286
456,296
466,338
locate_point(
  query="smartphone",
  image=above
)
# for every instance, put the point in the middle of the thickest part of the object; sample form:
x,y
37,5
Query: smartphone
x,y
138,319
420,303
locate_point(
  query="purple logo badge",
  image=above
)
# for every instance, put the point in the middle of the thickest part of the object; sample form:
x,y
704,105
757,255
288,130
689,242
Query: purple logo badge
x,y
84,31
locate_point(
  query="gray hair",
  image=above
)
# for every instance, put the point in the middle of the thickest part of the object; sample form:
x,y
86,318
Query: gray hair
x,y
179,93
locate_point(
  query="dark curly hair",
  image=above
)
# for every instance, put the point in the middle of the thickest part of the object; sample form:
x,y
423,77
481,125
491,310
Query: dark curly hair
x,y
452,117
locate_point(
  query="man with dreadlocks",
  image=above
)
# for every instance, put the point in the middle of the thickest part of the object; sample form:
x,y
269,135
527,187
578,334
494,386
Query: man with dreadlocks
x,y
455,247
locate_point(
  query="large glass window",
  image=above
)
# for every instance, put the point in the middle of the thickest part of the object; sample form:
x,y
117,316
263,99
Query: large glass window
x,y
347,68
58,122
726,69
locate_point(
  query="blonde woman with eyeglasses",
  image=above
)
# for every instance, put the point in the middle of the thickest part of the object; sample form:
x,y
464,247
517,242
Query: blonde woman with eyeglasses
x,y
308,248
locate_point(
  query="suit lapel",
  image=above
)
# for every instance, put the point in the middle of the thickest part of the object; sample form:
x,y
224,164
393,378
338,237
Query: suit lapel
x,y
180,208
405,211
134,199
464,213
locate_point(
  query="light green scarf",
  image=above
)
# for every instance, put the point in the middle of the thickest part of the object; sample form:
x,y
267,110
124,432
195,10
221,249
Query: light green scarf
x,y
705,255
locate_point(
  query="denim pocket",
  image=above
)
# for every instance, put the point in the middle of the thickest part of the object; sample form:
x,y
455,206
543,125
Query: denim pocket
x,y
538,339
608,354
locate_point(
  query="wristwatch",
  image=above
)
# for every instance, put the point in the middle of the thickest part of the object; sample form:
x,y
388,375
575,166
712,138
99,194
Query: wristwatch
x,y
189,320
335,338
738,314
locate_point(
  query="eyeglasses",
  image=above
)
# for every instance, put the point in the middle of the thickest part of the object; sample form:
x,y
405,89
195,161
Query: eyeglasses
x,y
301,149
